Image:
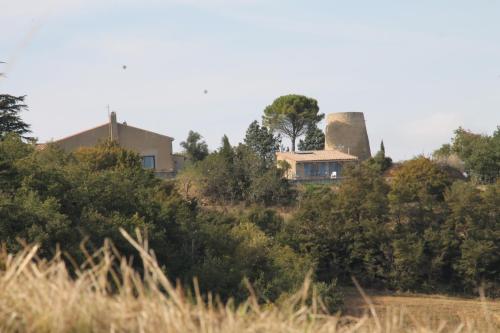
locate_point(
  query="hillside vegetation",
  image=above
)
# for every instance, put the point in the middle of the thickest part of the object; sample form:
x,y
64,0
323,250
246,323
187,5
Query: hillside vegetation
x,y
422,232
107,295
418,228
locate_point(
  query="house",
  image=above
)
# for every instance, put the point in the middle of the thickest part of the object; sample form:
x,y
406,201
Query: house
x,y
155,149
317,165
346,141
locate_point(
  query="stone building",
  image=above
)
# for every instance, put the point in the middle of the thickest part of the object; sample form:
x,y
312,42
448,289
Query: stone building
x,y
346,131
155,149
346,141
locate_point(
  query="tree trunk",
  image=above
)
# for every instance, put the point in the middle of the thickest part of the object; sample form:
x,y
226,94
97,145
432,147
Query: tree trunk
x,y
293,144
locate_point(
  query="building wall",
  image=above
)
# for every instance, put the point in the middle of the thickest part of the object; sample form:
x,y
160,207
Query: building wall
x,y
143,142
179,162
146,144
85,139
346,131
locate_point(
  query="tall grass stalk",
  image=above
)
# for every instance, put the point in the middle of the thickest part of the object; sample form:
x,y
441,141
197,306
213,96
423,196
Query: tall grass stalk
x,y
107,295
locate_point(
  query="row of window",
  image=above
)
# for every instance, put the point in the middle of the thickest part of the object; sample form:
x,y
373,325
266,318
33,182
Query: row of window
x,y
322,169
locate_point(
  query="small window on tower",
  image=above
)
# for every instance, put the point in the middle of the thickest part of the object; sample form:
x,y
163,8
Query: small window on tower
x,y
148,162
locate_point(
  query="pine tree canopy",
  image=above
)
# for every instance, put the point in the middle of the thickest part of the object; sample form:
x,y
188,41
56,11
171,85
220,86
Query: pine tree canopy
x,y
10,120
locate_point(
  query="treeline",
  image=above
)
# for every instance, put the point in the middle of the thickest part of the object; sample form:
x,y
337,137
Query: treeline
x,y
421,231
233,174
75,201
419,226
416,226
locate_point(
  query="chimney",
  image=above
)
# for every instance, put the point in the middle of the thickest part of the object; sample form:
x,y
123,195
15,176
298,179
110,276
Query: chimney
x,y
113,127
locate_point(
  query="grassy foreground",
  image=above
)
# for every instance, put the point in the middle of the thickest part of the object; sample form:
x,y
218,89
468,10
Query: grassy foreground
x,y
107,295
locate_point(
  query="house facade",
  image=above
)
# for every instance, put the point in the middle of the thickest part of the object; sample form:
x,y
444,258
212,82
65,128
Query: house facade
x,y
346,141
155,149
317,165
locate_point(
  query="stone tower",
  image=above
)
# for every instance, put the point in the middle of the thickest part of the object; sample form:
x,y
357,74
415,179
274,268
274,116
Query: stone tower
x,y
346,131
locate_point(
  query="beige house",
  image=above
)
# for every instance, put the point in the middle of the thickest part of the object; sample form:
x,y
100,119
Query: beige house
x,y
346,141
315,165
155,149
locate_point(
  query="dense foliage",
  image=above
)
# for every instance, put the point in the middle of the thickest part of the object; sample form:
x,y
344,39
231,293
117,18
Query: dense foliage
x,y
409,227
59,199
480,154
244,173
422,231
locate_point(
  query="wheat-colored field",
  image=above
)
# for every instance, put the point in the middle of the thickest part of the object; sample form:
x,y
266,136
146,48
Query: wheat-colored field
x,y
430,310
107,295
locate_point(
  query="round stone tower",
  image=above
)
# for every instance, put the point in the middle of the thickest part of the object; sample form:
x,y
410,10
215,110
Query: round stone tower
x,y
346,131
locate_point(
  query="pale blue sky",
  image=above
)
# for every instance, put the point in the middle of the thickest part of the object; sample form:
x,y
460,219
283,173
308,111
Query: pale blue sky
x,y
417,69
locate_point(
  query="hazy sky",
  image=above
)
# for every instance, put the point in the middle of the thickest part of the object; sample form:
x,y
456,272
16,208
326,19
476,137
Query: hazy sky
x,y
417,69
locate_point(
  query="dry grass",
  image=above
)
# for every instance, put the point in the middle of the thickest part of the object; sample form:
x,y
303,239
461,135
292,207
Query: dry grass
x,y
107,295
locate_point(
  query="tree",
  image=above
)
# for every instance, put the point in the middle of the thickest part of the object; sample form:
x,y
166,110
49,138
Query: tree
x,y
10,120
417,191
195,148
380,161
418,212
479,154
314,140
262,141
292,115
443,152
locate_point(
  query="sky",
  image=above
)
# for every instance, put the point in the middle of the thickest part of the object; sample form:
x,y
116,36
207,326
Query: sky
x,y
416,69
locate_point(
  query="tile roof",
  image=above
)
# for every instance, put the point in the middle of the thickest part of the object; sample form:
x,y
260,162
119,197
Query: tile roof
x,y
40,146
316,155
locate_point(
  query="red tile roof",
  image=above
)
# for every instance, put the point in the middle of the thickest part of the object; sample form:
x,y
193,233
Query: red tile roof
x,y
316,155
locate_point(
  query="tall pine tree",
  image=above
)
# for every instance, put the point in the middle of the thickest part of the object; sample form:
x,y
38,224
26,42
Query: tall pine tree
x,y
10,120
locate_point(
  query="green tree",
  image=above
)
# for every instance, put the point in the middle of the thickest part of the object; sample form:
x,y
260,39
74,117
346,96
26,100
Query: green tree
x,y
195,148
314,139
443,152
473,230
270,188
292,115
417,188
263,142
12,151
10,119
345,231
418,212
380,161
480,154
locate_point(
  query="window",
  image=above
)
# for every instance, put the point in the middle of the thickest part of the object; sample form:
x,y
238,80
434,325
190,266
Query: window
x,y
148,162
307,169
334,167
322,169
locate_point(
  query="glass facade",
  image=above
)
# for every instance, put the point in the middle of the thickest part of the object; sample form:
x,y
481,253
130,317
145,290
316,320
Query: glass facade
x,y
322,169
148,162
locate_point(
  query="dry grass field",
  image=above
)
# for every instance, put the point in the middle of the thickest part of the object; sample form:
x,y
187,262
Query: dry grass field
x,y
429,310
107,295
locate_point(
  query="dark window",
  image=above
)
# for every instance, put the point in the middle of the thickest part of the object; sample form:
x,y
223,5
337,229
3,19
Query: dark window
x,y
322,169
148,162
